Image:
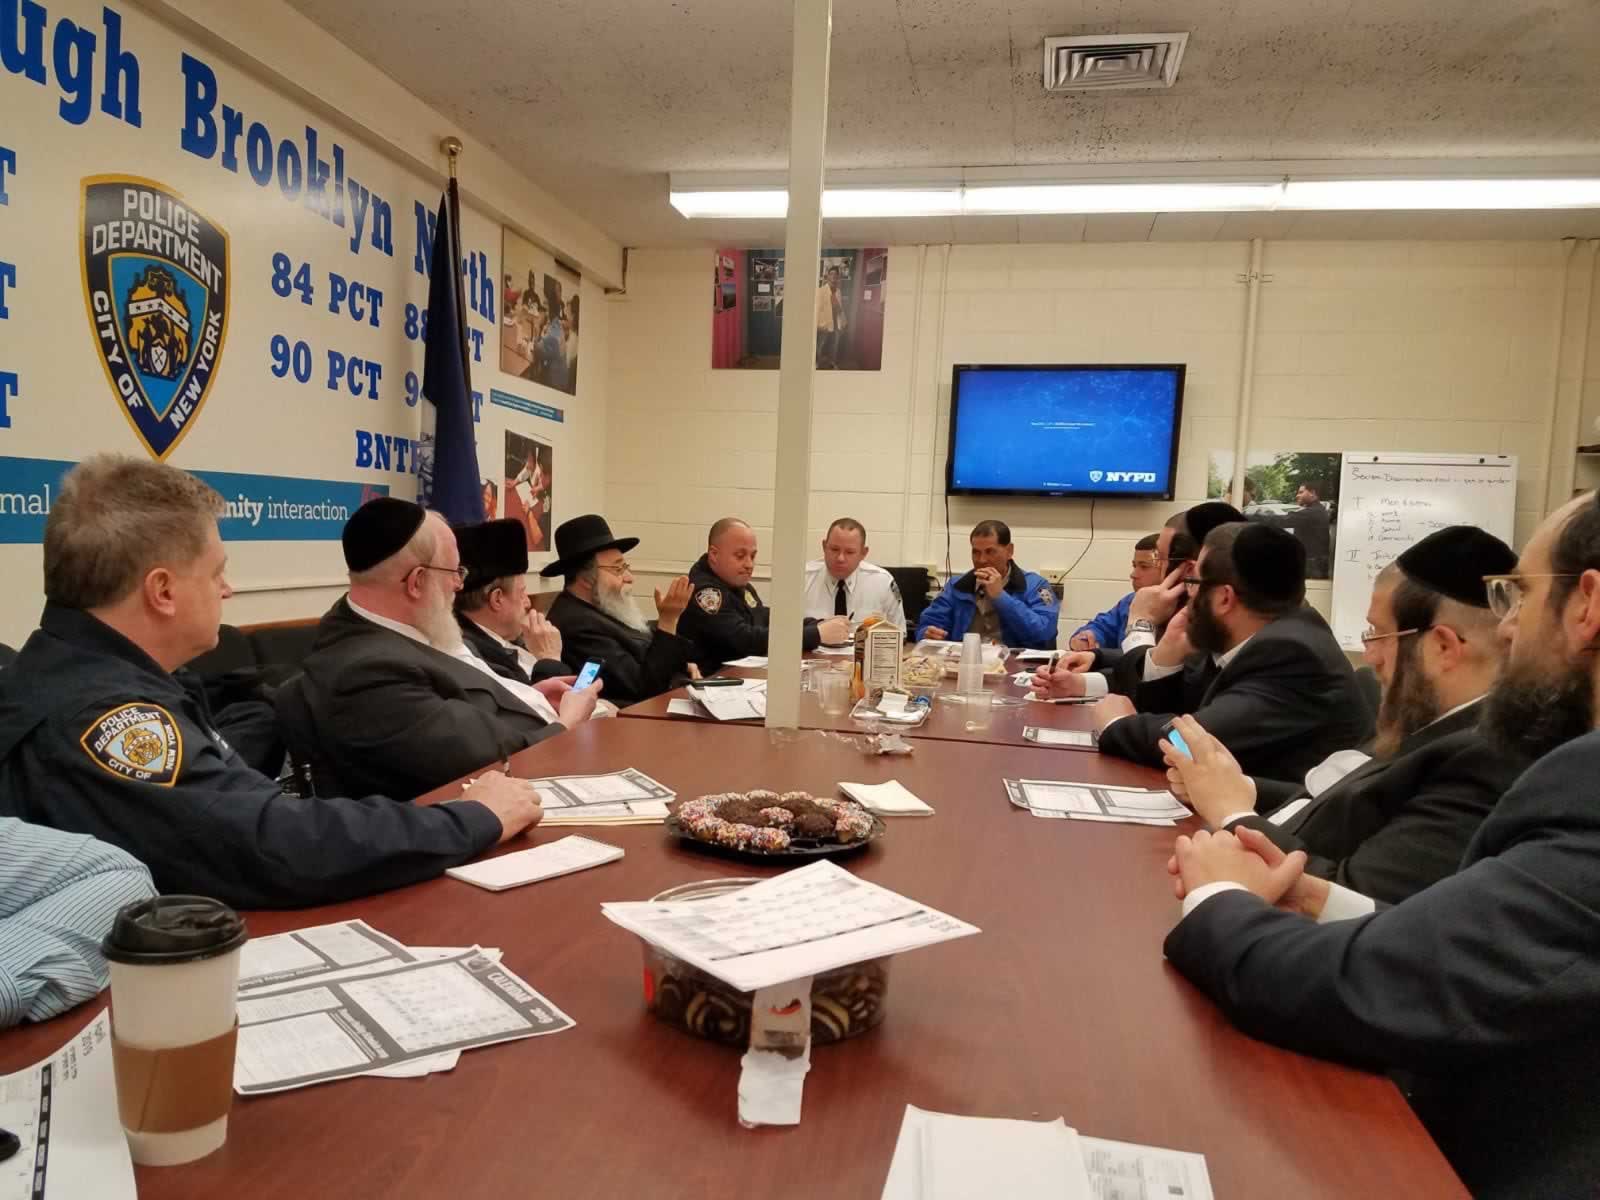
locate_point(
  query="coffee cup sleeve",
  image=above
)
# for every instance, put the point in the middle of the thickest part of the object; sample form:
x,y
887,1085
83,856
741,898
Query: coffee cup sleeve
x,y
177,1088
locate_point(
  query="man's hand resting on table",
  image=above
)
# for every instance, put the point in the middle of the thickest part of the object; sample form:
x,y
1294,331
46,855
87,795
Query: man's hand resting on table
x,y
513,801
1252,859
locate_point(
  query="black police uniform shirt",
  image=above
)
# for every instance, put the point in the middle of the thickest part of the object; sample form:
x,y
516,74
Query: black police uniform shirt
x,y
96,738
726,623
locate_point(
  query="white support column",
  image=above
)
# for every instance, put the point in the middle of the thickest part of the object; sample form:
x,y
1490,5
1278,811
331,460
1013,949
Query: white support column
x,y
808,133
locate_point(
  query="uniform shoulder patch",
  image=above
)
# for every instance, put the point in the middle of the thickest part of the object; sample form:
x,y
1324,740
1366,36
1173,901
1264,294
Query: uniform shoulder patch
x,y
751,599
1046,595
709,599
137,742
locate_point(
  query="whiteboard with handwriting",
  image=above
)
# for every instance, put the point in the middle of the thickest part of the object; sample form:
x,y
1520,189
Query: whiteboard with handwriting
x,y
1388,502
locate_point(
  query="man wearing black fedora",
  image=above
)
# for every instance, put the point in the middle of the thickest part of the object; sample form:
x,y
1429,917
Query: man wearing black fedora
x,y
498,621
599,620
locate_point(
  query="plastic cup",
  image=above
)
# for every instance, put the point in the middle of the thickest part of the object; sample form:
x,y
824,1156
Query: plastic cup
x,y
833,693
174,987
979,710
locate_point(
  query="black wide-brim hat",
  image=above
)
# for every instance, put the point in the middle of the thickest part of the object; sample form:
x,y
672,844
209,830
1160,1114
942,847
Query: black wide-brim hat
x,y
581,538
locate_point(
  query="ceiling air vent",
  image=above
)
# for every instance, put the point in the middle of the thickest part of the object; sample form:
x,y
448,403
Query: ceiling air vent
x,y
1107,61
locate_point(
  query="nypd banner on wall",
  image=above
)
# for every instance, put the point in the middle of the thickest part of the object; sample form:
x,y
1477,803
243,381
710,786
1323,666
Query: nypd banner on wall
x,y
197,269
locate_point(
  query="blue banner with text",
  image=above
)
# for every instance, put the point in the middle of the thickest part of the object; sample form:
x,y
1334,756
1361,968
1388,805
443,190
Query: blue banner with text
x,y
260,508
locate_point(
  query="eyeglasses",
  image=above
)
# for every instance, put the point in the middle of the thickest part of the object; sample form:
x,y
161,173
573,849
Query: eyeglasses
x,y
1370,635
616,568
1145,564
1506,591
1194,583
459,572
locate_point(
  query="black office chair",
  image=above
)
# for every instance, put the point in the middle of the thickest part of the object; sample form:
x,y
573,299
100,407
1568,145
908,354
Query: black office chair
x,y
233,652
310,771
916,592
283,643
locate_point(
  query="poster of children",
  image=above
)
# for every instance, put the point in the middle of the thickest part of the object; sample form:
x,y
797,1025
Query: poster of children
x,y
539,332
527,487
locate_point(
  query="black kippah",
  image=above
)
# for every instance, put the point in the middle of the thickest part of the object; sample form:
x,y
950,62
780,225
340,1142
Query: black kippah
x,y
492,550
1453,561
1203,518
379,529
1270,563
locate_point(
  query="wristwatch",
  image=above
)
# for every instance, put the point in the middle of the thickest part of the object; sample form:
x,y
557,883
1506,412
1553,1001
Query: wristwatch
x,y
1142,625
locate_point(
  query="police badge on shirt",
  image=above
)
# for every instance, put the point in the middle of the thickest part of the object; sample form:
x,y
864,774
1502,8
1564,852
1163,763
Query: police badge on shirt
x,y
138,742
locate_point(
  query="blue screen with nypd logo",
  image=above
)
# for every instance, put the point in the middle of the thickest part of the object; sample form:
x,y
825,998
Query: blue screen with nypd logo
x,y
1065,430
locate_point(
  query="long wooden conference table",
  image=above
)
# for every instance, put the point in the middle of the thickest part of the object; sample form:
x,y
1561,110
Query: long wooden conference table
x,y
1062,1006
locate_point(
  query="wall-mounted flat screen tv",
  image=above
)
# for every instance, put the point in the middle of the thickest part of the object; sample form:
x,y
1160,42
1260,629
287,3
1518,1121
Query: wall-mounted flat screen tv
x,y
1065,430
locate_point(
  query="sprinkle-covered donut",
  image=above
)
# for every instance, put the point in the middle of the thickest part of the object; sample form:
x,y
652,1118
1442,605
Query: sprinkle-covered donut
x,y
767,823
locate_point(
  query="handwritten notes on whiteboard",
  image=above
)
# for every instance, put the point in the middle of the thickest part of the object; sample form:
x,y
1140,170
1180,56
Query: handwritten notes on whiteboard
x,y
1388,502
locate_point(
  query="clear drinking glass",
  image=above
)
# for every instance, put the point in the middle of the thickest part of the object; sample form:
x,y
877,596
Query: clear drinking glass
x,y
833,692
979,708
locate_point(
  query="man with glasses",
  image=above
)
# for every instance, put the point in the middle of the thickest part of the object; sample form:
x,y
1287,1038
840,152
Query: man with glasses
x,y
600,621
396,702
1108,628
497,618
1257,667
1390,823
1484,989
1119,667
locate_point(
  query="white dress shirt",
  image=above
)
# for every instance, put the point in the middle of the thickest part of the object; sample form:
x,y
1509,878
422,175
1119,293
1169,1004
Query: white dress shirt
x,y
521,691
868,589
1343,904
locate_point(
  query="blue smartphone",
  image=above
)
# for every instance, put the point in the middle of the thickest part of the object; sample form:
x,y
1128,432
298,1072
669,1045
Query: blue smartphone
x,y
590,672
1176,739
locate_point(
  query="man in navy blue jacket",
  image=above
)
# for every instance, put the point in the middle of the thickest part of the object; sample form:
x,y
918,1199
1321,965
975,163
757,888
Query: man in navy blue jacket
x,y
996,599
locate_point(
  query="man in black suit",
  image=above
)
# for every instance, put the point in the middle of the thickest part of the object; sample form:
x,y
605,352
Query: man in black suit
x,y
1394,822
1105,669
397,703
1249,660
498,620
600,622
1485,987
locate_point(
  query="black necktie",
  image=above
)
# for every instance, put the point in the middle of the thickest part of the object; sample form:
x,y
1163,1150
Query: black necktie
x,y
841,606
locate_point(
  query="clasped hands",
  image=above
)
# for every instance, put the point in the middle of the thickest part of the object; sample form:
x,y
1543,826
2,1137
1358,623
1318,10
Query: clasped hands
x,y
1214,786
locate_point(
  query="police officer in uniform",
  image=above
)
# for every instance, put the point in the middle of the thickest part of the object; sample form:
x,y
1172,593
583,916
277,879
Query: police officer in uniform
x,y
726,619
97,736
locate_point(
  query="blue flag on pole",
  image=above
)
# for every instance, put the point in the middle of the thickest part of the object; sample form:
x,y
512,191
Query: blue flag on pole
x,y
450,488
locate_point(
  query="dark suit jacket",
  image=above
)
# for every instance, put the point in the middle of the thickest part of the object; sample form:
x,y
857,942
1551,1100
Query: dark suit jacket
x,y
1394,826
1282,705
633,666
1485,985
398,718
506,663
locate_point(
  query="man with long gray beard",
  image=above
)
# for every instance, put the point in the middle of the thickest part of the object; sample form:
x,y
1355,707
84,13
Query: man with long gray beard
x,y
1391,822
1484,988
600,621
392,700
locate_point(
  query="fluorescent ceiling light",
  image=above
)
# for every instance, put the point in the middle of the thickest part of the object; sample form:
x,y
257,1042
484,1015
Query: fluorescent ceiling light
x,y
836,202
1122,197
996,192
1441,193
770,202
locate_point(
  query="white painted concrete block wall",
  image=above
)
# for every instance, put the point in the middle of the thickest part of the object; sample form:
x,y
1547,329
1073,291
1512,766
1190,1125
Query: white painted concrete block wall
x,y
1380,345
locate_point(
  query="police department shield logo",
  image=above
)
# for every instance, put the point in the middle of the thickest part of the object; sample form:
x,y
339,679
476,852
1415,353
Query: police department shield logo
x,y
1096,476
155,279
137,742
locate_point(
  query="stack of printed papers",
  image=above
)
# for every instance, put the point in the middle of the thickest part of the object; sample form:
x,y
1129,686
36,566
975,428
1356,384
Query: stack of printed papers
x,y
1095,802
626,797
944,1157
335,1001
797,924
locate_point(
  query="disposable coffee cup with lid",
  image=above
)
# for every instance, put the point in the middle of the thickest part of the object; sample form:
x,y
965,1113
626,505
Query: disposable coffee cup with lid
x,y
174,985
